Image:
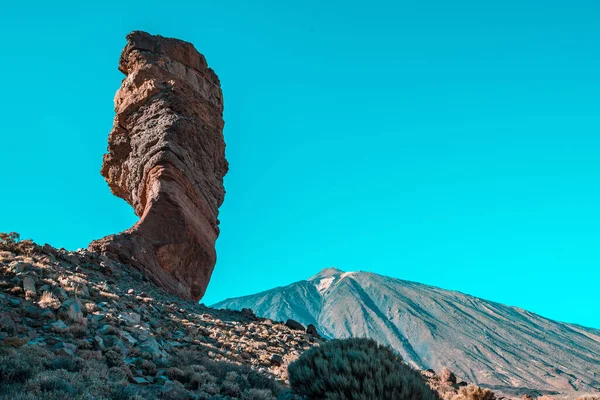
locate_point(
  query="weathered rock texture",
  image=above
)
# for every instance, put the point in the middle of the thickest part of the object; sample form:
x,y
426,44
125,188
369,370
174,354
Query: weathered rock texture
x,y
166,157
121,337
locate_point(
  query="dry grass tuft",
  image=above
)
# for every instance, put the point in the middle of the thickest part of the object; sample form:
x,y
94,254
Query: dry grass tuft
x,y
473,392
49,300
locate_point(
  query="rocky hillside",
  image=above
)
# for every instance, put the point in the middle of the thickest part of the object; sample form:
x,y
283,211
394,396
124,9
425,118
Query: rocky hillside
x,y
510,350
76,324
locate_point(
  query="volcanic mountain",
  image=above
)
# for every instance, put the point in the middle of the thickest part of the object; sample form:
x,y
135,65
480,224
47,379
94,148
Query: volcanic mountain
x,y
504,348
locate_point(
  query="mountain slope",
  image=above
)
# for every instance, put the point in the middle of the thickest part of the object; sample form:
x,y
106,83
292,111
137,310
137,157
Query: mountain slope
x,y
501,347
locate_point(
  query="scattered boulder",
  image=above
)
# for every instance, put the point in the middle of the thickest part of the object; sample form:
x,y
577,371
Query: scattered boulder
x,y
276,359
447,377
71,310
312,331
140,381
248,312
29,287
131,318
294,325
65,349
59,325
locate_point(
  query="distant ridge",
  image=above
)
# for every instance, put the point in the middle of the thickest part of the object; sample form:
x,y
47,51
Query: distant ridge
x,y
504,348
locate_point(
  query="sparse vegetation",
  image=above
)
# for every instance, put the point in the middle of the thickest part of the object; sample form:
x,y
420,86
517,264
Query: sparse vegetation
x,y
49,300
32,372
78,325
12,242
473,392
356,369
198,373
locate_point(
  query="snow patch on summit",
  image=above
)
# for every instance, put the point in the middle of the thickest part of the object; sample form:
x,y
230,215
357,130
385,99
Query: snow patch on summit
x,y
325,284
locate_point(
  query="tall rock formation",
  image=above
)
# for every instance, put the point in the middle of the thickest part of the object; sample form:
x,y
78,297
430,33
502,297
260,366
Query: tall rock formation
x,y
166,158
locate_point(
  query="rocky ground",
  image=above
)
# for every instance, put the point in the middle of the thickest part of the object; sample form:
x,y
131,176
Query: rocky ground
x,y
79,325
86,321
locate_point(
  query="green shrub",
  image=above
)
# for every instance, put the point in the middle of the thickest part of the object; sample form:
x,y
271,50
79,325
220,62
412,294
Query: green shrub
x,y
257,394
57,382
356,369
22,364
70,364
14,370
197,371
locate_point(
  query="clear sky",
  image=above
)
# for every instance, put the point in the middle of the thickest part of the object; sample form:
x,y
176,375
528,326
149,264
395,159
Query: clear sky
x,y
451,143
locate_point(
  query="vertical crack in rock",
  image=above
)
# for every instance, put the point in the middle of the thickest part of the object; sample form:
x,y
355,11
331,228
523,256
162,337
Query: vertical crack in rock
x,y
166,158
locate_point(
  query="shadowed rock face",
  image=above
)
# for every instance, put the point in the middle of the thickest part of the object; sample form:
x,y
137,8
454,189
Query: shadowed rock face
x,y
166,157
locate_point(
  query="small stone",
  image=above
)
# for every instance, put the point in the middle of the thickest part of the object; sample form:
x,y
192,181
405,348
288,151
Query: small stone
x,y
260,345
98,342
140,381
65,349
29,286
131,318
150,346
20,267
71,310
276,359
128,338
65,352
59,325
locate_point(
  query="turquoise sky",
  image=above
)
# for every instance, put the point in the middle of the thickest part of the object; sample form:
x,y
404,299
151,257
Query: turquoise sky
x,y
454,143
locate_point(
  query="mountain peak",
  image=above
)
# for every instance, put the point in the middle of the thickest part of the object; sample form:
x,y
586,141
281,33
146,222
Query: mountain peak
x,y
326,273
433,328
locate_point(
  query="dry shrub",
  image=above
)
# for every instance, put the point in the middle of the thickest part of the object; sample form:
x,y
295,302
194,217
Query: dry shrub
x,y
473,392
49,300
12,242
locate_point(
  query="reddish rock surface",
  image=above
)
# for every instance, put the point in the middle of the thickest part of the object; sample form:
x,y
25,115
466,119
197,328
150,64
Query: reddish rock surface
x,y
166,157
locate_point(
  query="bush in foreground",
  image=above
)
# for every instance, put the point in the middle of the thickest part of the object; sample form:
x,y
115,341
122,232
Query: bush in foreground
x,y
356,369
